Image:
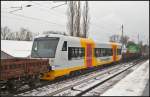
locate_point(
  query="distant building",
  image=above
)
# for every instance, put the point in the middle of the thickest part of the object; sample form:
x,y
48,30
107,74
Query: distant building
x,y
15,49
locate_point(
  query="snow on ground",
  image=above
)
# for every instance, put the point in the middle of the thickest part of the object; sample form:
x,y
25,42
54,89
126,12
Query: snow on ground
x,y
133,84
16,48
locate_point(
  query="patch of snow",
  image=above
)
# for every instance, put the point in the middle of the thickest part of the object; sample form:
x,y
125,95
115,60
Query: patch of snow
x,y
16,48
133,84
68,92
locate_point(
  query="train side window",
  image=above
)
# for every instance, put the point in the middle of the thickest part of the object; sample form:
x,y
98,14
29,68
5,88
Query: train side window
x,y
101,52
95,52
80,52
106,52
64,48
98,52
74,52
111,52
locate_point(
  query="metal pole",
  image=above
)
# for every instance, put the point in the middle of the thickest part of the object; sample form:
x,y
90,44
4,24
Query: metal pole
x,y
138,38
122,35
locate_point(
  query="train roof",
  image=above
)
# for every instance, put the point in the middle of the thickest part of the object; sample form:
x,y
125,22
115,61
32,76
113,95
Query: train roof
x,y
75,38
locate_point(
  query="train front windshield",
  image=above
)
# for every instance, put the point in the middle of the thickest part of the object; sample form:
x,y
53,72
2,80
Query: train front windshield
x,y
44,47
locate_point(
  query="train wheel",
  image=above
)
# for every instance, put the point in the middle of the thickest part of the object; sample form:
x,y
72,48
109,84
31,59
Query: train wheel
x,y
34,82
13,86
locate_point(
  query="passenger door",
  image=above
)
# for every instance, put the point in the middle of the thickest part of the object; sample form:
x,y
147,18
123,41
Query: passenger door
x,y
64,51
89,55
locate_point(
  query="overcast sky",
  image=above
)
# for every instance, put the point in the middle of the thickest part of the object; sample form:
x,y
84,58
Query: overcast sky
x,y
106,18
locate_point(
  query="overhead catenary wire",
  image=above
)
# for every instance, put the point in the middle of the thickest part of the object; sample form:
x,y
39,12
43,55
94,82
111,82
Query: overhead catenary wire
x,y
26,20
45,8
59,5
33,18
48,10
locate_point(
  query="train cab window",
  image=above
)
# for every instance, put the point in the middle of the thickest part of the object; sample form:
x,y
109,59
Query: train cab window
x,y
64,48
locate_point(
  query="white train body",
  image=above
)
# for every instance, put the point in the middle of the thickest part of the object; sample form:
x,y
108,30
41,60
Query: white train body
x,y
67,54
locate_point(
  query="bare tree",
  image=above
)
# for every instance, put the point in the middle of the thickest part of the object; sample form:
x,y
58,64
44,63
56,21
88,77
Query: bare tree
x,y
77,18
29,36
85,24
124,40
54,32
11,36
35,34
23,33
17,36
71,16
117,38
4,32
114,38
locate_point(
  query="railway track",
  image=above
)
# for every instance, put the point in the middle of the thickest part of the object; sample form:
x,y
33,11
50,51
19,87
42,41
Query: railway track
x,y
105,80
79,89
81,84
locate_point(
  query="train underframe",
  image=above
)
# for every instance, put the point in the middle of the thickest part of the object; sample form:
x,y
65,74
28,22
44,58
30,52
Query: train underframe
x,y
15,84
